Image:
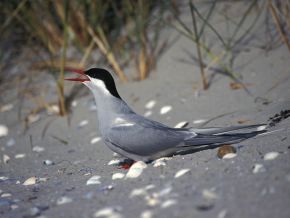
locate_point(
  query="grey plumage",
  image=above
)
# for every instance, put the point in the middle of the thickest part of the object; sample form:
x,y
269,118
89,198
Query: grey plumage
x,y
139,138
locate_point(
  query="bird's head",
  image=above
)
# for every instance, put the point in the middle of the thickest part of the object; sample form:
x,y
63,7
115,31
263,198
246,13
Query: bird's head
x,y
97,79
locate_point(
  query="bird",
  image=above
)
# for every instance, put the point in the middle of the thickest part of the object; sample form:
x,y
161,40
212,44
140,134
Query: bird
x,y
138,138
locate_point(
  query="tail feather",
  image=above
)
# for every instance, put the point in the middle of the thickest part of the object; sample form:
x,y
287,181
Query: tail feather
x,y
216,136
222,130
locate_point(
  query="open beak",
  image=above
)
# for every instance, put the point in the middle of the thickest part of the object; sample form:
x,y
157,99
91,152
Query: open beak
x,y
82,78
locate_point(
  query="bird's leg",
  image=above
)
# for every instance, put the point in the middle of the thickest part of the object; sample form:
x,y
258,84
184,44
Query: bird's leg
x,y
126,164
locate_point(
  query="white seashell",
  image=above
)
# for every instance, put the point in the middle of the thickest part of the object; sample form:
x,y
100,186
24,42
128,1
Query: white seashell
x,y
74,103
19,156
114,162
148,113
163,192
229,156
53,109
48,162
260,128
83,123
161,161
271,155
150,104
209,195
30,181
14,206
258,168
181,124
168,203
165,109
5,195
222,214
150,186
158,163
32,118
63,200
3,178
95,140
3,130
199,121
118,176
146,214
152,201
6,158
6,107
138,192
136,169
37,149
94,180
108,212
181,172
10,142
42,179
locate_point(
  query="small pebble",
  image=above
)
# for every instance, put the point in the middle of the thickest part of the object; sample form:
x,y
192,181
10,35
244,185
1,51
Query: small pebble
x,y
271,155
3,130
258,168
30,181
10,142
136,169
63,200
168,203
118,176
150,104
19,156
181,173
94,180
37,149
224,150
48,162
95,140
165,109
6,107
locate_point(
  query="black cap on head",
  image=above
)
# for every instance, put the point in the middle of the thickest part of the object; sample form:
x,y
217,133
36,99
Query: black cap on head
x,y
106,77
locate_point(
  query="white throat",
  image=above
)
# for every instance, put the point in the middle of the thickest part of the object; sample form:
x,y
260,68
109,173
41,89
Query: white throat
x,y
96,84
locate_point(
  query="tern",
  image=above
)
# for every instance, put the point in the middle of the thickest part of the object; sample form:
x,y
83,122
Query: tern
x,y
141,139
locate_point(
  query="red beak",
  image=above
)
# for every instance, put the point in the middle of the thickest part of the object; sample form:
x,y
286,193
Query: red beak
x,y
82,78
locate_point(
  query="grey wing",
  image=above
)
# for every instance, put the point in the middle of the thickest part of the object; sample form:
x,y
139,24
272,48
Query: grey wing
x,y
146,137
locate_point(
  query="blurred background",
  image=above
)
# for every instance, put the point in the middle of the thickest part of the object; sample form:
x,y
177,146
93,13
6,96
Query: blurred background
x,y
45,39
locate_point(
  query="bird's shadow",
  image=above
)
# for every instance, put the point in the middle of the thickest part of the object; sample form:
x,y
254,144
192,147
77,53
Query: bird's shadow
x,y
126,163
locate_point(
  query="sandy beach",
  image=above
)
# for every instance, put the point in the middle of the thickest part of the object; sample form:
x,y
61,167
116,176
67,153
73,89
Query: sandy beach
x,y
60,167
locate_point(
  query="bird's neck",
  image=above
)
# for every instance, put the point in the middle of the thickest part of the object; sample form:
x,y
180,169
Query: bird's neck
x,y
109,108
